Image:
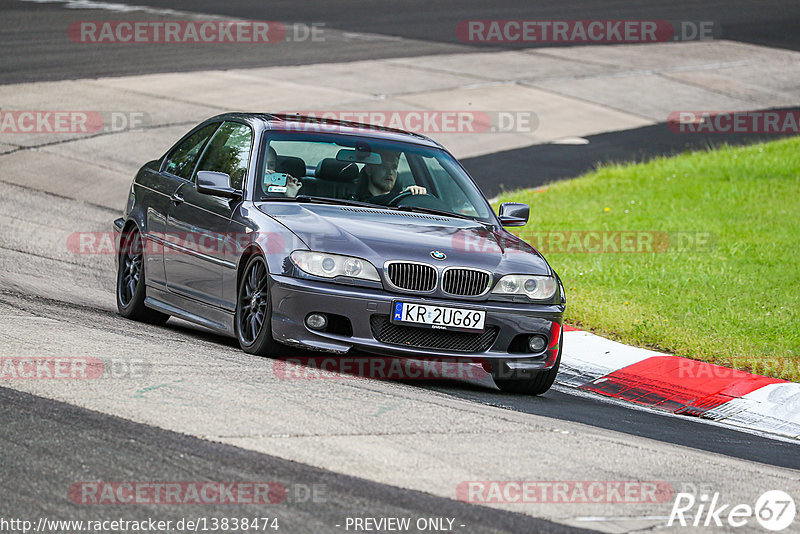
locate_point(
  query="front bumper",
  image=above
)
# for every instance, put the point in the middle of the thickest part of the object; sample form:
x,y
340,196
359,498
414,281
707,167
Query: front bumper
x,y
294,298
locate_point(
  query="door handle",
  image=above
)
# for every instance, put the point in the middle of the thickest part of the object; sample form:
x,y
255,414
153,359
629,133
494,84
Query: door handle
x,y
177,198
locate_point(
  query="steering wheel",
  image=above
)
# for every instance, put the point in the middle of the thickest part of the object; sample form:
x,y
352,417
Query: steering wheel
x,y
427,200
399,197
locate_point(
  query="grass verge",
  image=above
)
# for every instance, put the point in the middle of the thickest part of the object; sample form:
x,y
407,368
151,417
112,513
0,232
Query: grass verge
x,y
696,255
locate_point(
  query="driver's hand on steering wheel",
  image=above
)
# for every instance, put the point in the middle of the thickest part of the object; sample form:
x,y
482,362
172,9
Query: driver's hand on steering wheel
x,y
415,190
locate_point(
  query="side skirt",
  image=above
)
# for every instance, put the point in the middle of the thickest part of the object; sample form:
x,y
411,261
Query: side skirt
x,y
190,310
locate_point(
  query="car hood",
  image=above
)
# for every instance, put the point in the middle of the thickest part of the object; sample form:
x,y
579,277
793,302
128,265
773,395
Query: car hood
x,y
379,235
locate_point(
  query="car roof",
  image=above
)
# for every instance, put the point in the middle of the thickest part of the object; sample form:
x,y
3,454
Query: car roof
x,y
305,123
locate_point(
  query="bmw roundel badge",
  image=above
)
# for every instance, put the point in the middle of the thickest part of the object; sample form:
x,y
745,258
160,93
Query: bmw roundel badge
x,y
438,255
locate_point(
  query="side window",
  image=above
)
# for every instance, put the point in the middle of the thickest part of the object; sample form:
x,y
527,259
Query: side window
x,y
182,159
229,152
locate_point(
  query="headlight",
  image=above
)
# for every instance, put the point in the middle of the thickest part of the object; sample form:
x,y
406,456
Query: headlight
x,y
333,265
535,287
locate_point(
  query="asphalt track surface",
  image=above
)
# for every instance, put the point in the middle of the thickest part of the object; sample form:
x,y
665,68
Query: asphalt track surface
x,y
564,404
769,23
355,30
48,445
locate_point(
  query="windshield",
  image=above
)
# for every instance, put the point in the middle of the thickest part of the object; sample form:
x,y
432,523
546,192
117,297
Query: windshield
x,y
381,173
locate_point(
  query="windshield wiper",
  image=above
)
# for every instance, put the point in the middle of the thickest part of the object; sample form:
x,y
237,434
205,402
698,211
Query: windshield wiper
x,y
434,211
320,200
328,200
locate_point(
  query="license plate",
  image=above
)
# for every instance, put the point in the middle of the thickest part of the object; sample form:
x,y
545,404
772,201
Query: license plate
x,y
439,317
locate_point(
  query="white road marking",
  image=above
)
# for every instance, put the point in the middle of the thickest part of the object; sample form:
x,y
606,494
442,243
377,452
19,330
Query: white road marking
x,y
109,6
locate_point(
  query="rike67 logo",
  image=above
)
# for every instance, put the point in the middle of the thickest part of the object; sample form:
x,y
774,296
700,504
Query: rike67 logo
x,y
774,510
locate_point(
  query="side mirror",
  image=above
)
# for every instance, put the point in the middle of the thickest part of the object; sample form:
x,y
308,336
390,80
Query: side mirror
x,y
216,183
514,214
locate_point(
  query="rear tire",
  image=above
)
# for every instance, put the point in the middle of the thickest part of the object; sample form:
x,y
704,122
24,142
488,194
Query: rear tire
x,y
538,384
131,290
253,320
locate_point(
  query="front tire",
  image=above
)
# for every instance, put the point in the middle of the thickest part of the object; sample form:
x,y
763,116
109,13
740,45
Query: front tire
x,y
131,282
253,321
538,384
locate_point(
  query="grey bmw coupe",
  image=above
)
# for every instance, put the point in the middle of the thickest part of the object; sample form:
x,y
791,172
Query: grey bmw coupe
x,y
283,230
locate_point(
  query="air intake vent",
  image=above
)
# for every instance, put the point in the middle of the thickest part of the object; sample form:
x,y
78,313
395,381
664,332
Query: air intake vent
x,y
465,282
425,338
412,276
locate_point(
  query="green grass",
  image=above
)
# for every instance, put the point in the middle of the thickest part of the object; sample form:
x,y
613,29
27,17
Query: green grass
x,y
734,301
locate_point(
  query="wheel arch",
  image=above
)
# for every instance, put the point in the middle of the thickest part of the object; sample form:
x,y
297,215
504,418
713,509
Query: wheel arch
x,y
128,228
133,222
247,253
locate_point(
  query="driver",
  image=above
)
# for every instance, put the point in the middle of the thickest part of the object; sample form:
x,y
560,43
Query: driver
x,y
378,182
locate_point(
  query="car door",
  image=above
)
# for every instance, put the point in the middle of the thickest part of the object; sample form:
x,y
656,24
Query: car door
x,y
199,222
175,170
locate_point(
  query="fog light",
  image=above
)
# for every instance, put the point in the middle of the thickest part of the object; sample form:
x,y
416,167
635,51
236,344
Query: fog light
x,y
537,343
316,321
